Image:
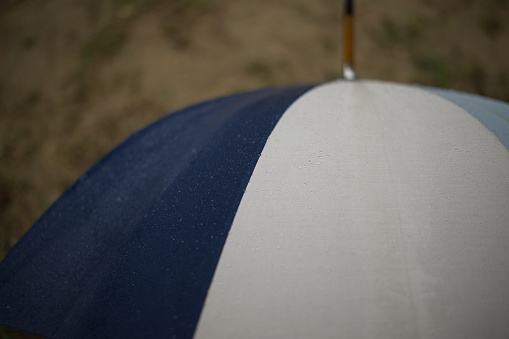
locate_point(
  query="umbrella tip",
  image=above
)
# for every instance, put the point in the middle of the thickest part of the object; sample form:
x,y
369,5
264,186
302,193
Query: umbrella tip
x,y
348,72
348,68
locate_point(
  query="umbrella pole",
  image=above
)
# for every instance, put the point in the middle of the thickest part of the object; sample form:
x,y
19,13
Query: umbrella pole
x,y
348,68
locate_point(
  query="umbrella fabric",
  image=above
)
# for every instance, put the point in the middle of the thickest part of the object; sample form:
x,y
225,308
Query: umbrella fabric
x,y
130,249
493,114
374,210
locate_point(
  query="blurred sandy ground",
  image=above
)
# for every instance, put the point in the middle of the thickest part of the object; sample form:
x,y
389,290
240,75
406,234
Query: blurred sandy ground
x,y
79,76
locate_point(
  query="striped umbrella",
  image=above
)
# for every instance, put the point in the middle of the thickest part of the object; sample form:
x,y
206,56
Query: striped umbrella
x,y
348,209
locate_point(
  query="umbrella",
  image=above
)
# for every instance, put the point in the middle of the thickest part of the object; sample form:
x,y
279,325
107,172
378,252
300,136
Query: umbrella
x,y
351,208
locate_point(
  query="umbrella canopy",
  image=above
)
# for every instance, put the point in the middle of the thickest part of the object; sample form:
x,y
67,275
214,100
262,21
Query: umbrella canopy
x,y
353,209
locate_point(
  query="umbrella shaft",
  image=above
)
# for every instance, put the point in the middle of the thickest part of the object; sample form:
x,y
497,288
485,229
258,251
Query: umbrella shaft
x,y
348,63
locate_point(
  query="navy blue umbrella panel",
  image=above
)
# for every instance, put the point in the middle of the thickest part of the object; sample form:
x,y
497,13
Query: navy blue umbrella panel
x,y
130,249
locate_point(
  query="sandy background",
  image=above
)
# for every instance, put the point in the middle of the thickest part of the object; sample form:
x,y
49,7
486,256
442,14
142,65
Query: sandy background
x,y
79,76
